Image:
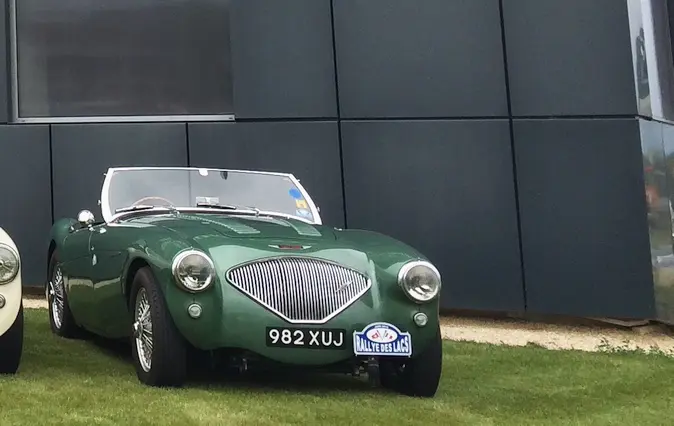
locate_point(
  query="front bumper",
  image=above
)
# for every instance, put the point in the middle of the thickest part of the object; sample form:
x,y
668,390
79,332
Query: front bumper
x,y
231,320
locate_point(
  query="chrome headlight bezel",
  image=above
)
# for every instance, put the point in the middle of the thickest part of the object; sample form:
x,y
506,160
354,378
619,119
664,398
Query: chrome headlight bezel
x,y
403,276
17,258
177,261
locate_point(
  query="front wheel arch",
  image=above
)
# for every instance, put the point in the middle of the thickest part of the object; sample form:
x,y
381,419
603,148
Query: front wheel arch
x,y
52,248
136,265
67,326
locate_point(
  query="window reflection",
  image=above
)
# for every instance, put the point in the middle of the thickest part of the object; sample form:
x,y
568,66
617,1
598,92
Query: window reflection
x,y
123,57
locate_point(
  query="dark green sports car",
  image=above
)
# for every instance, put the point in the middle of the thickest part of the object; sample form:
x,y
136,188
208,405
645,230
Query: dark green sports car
x,y
236,265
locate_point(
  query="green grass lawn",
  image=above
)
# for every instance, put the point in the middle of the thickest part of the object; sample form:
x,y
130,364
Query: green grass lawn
x,y
79,382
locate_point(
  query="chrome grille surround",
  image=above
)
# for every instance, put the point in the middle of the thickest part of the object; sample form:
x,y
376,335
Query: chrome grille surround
x,y
301,290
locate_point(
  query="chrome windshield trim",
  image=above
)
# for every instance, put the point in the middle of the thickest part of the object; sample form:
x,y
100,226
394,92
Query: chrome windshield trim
x,y
109,216
165,210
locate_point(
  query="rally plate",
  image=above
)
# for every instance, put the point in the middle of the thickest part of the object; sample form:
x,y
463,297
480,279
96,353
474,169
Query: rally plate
x,y
382,339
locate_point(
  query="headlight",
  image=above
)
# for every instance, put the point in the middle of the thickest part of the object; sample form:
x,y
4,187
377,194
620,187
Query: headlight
x,y
420,281
9,264
193,270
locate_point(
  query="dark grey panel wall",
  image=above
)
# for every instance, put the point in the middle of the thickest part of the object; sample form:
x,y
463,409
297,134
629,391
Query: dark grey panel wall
x,y
569,57
25,212
447,189
443,186
309,150
431,58
583,217
81,153
283,59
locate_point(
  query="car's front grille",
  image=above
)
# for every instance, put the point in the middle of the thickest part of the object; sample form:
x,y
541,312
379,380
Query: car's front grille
x,y
300,289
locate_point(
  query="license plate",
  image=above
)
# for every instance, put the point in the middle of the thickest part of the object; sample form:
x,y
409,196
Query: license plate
x,y
306,338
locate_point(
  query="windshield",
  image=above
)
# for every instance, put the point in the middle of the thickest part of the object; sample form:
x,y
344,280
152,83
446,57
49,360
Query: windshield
x,y
204,188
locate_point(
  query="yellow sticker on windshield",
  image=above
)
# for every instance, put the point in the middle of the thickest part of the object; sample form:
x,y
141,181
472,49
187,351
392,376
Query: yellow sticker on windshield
x,y
301,204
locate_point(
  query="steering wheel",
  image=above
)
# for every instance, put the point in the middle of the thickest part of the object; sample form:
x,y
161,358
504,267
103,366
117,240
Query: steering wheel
x,y
143,200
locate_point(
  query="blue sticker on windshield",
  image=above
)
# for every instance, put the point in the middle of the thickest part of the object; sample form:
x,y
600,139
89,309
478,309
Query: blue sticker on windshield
x,y
295,193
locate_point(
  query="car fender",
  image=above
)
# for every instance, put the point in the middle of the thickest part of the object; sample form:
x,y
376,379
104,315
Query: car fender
x,y
12,291
159,265
60,230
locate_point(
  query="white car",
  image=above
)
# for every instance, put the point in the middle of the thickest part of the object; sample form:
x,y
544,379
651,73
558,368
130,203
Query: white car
x,y
11,306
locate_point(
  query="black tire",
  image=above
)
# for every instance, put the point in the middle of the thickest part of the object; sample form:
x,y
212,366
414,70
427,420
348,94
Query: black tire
x,y
65,326
168,357
11,345
417,377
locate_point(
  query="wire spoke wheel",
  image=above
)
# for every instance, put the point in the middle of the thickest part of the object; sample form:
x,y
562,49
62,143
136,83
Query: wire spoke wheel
x,y
142,330
55,295
158,350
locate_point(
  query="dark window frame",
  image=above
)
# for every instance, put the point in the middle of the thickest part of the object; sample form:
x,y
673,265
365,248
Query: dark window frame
x,y
15,95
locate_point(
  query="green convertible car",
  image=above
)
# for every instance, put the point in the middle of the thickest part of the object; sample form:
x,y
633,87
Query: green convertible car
x,y
237,265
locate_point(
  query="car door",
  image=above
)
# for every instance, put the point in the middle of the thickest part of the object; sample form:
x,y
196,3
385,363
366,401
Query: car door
x,y
108,258
76,267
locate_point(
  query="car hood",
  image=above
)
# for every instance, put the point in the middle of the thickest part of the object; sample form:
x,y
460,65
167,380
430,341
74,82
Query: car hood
x,y
200,226
235,239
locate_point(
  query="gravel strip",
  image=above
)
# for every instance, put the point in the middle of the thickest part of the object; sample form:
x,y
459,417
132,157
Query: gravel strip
x,y
554,336
31,303
520,333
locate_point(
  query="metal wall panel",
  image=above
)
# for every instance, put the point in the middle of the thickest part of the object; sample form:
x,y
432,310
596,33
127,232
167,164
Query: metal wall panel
x,y
431,58
81,153
650,32
309,150
283,59
583,217
447,189
660,160
25,210
569,57
642,55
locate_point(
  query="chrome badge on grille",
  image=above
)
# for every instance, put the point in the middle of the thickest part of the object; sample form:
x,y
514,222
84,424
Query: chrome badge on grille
x,y
343,286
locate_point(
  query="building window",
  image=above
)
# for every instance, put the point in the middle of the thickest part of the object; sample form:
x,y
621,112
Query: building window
x,y
107,60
